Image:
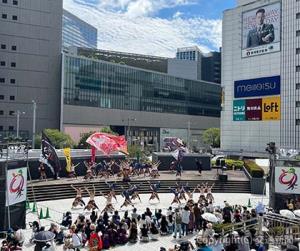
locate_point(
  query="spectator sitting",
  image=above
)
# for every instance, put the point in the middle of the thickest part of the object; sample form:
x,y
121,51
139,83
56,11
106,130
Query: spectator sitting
x,y
154,232
122,234
133,233
144,233
164,225
67,220
95,241
93,217
201,246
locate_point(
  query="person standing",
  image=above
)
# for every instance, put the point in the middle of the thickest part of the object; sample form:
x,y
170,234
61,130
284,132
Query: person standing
x,y
185,220
177,223
199,166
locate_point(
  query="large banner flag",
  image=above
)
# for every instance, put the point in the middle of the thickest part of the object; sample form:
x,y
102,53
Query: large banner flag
x,y
67,153
49,156
16,186
108,143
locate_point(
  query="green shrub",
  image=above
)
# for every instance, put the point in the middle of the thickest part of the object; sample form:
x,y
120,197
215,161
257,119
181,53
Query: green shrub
x,y
254,170
221,226
238,164
59,139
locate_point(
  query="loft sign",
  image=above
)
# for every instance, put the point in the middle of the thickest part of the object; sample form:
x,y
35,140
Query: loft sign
x,y
267,86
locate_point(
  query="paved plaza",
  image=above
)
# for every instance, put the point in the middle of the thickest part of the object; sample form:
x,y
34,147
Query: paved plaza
x,y
57,208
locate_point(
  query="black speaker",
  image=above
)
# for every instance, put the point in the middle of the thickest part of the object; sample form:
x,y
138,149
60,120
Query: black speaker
x,y
222,162
223,177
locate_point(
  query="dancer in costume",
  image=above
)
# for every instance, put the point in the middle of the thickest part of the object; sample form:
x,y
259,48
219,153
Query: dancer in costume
x,y
112,188
189,191
133,190
127,201
182,192
154,189
108,207
176,195
89,170
78,199
72,173
91,205
42,171
209,195
201,188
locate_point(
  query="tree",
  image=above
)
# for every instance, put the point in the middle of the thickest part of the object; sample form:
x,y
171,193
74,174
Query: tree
x,y
82,142
211,137
59,139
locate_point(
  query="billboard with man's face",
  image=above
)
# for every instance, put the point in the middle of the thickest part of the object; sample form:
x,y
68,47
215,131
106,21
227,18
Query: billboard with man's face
x,y
261,29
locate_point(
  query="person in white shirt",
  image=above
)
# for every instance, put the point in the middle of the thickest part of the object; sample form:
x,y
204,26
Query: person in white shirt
x,y
185,220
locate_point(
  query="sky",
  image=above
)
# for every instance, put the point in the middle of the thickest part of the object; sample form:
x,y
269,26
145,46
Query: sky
x,y
154,27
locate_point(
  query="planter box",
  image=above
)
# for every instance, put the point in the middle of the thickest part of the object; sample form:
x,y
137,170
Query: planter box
x,y
257,184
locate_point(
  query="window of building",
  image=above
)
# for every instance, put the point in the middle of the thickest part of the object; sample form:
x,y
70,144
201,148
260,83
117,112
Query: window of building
x,y
12,81
3,46
297,50
298,68
298,33
4,16
298,15
11,97
2,80
1,128
297,103
2,63
15,2
1,112
298,86
2,97
11,113
14,17
14,48
13,64
11,128
4,1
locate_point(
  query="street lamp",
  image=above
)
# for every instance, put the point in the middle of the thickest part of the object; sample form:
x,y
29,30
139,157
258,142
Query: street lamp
x,y
18,114
128,126
271,149
34,122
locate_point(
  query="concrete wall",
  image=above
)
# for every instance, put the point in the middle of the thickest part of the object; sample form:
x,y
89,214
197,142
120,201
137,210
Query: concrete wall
x,y
37,35
184,68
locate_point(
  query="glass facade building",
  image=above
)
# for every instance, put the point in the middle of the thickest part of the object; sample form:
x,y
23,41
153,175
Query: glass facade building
x,y
95,83
76,32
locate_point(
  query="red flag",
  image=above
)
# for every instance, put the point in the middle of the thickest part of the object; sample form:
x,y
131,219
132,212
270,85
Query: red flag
x,y
107,143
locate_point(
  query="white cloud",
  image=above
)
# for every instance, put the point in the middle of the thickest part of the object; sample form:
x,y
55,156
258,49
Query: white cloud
x,y
130,26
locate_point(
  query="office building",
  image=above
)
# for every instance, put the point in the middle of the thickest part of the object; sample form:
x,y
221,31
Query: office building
x,y
147,106
191,63
261,75
30,64
147,62
76,32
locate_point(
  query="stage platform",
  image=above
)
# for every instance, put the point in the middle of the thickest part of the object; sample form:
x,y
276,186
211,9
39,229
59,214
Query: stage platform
x,y
61,189
164,175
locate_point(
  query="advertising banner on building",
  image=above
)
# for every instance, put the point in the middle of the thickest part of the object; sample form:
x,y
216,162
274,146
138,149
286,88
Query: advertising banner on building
x,y
239,110
267,86
253,109
261,29
287,180
271,108
16,186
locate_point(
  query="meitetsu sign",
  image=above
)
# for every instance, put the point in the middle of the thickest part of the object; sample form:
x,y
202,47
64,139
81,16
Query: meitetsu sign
x,y
256,87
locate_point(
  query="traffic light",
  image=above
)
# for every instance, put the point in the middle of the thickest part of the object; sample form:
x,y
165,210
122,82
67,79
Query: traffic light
x,y
271,148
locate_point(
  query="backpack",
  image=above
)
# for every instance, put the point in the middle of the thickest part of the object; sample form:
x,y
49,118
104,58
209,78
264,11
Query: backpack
x,y
178,219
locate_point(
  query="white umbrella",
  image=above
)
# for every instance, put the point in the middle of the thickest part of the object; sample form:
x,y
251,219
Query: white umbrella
x,y
210,217
287,213
297,213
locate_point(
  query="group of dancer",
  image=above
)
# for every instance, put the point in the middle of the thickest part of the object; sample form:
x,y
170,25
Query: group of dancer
x,y
130,194
110,169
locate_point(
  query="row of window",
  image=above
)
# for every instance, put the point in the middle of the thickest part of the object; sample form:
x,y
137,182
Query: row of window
x,y
13,17
12,64
11,113
12,80
10,97
10,128
4,47
14,2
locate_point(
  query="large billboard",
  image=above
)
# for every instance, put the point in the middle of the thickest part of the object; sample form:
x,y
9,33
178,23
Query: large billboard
x,y
261,29
16,186
287,180
260,109
256,87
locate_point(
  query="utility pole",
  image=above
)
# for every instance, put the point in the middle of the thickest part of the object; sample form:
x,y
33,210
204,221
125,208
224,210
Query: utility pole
x,y
18,114
271,149
34,123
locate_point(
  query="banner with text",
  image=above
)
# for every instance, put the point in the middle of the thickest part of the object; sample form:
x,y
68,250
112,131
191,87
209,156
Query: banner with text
x,y
271,108
239,110
286,180
268,86
16,186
